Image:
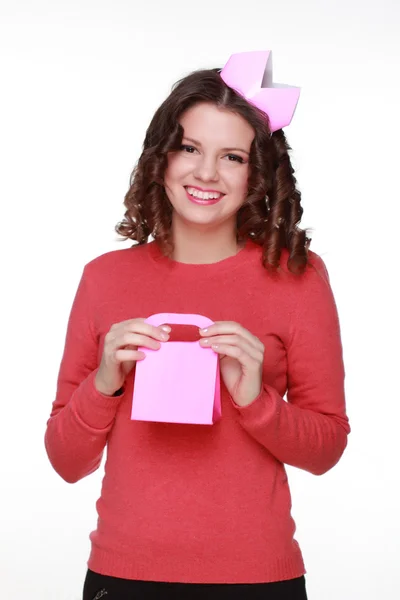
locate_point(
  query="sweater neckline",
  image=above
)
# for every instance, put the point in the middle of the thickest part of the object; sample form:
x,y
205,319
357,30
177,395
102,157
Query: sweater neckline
x,y
227,264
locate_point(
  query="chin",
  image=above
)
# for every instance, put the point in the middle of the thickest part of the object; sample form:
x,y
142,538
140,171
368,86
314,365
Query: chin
x,y
197,216
198,221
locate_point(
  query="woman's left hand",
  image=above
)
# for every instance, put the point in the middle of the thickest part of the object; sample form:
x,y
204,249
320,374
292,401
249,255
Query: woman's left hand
x,y
241,359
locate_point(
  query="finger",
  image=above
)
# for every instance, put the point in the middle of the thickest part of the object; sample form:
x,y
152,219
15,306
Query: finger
x,y
150,330
231,327
140,327
248,362
128,355
136,339
234,340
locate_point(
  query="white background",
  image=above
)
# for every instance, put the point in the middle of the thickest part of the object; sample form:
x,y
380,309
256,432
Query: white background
x,y
80,80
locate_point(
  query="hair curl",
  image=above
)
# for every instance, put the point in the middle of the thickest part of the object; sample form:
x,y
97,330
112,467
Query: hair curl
x,y
272,211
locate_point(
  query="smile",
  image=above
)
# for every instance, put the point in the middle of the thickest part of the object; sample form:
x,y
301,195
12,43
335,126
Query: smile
x,y
203,197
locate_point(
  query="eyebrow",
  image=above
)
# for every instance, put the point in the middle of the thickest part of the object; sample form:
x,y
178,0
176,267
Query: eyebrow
x,y
223,149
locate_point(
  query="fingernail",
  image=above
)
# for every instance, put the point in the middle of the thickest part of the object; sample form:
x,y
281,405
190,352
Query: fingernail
x,y
166,328
203,330
164,336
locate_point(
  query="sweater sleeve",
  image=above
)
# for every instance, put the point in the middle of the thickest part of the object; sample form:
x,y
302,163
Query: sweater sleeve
x,y
310,430
81,417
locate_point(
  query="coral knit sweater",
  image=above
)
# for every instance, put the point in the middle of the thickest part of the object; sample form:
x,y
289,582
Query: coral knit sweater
x,y
202,503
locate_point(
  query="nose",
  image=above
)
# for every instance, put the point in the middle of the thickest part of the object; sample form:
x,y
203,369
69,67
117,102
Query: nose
x,y
206,169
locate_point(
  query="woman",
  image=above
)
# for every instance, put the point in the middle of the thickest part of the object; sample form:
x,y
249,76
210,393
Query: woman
x,y
191,511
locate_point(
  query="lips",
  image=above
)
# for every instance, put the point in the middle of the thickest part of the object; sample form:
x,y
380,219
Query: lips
x,y
203,201
194,187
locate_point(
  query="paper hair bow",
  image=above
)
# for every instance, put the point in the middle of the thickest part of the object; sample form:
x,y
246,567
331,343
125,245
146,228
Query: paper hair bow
x,y
250,75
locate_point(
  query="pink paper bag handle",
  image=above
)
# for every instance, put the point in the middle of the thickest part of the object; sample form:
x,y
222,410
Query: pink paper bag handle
x,y
179,319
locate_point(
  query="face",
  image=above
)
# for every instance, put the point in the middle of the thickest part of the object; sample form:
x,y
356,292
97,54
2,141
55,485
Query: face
x,y
206,180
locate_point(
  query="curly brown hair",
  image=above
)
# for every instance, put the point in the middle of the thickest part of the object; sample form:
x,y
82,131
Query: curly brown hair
x,y
272,211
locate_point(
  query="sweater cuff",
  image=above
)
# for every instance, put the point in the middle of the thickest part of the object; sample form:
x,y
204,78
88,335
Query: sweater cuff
x,y
263,407
94,409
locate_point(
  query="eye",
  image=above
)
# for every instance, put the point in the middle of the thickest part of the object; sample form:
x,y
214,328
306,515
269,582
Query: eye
x,y
235,158
188,149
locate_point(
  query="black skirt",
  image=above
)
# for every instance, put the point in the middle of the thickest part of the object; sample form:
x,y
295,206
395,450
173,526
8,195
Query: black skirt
x,y
103,587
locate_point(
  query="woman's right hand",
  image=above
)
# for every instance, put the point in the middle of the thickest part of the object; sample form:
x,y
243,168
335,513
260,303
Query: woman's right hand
x,y
121,351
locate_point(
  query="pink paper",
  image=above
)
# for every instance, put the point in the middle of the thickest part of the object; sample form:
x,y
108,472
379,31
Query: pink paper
x,y
180,382
250,74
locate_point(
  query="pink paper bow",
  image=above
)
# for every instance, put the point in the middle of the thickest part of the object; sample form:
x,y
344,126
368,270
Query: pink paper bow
x,y
250,74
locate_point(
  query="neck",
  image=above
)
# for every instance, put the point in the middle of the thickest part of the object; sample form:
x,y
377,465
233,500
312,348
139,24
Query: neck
x,y
201,245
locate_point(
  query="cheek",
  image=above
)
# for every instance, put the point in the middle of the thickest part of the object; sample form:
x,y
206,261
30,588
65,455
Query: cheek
x,y
239,181
177,168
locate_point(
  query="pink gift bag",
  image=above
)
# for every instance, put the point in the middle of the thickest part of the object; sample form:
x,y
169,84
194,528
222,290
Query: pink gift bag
x,y
180,382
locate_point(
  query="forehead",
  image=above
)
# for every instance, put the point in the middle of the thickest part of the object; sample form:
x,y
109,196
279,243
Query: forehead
x,y
217,126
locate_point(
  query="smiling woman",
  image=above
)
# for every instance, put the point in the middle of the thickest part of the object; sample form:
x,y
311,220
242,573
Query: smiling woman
x,y
186,510
210,176
207,136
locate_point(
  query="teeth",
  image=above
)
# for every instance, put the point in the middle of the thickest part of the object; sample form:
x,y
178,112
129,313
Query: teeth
x,y
203,195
